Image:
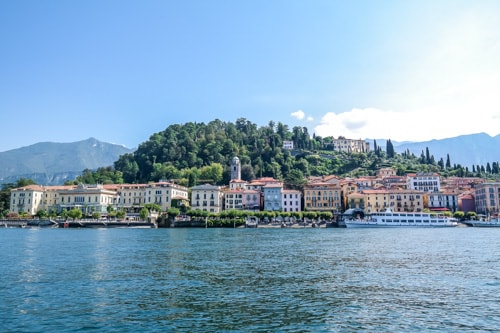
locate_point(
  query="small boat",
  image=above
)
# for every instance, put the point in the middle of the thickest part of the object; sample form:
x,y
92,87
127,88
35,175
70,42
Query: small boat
x,y
389,219
41,224
251,222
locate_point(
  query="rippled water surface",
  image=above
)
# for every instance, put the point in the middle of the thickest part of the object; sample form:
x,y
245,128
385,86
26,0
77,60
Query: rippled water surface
x,y
252,280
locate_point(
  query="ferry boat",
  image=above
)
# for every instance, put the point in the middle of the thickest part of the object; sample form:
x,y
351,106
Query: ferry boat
x,y
389,219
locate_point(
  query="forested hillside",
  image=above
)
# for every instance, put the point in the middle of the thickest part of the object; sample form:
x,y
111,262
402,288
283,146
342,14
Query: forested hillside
x,y
197,152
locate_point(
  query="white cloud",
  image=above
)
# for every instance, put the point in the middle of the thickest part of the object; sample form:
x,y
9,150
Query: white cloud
x,y
310,119
299,114
464,112
358,123
451,87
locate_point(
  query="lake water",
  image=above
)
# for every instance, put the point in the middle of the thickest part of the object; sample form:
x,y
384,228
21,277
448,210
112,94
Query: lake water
x,y
250,280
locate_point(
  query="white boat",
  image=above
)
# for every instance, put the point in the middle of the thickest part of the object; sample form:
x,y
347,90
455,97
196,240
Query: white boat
x,y
491,223
389,219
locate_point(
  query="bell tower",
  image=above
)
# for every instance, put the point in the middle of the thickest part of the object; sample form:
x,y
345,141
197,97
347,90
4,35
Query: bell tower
x,y
235,168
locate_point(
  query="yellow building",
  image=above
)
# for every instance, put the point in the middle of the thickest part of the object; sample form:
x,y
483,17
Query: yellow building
x,y
396,199
324,195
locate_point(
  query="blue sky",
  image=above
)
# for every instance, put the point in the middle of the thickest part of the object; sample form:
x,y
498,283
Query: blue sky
x,y
120,71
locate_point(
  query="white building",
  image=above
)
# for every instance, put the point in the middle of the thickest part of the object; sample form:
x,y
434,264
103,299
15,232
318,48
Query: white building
x,y
207,198
350,146
131,197
162,193
287,144
443,201
27,199
87,198
425,182
291,201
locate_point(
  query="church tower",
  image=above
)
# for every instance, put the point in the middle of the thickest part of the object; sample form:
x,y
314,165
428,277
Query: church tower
x,y
235,169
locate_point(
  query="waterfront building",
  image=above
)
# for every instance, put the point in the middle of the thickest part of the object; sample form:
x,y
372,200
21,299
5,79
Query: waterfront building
x,y
163,193
51,197
425,182
88,198
27,199
291,200
398,200
442,201
272,193
251,200
131,197
242,199
323,195
207,198
487,199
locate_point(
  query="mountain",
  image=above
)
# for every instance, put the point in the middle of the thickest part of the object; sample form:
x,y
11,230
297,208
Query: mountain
x,y
50,163
466,150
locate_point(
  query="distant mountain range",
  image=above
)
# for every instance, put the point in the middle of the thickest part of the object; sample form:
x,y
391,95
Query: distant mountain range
x,y
50,163
466,150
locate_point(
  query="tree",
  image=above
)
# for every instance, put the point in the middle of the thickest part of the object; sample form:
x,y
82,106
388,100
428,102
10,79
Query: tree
x,y
120,214
441,163
173,212
295,179
427,156
212,172
153,207
75,213
247,172
42,214
389,149
143,213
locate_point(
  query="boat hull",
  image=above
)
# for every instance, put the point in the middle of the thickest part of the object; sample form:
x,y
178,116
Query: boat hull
x,y
400,225
486,224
